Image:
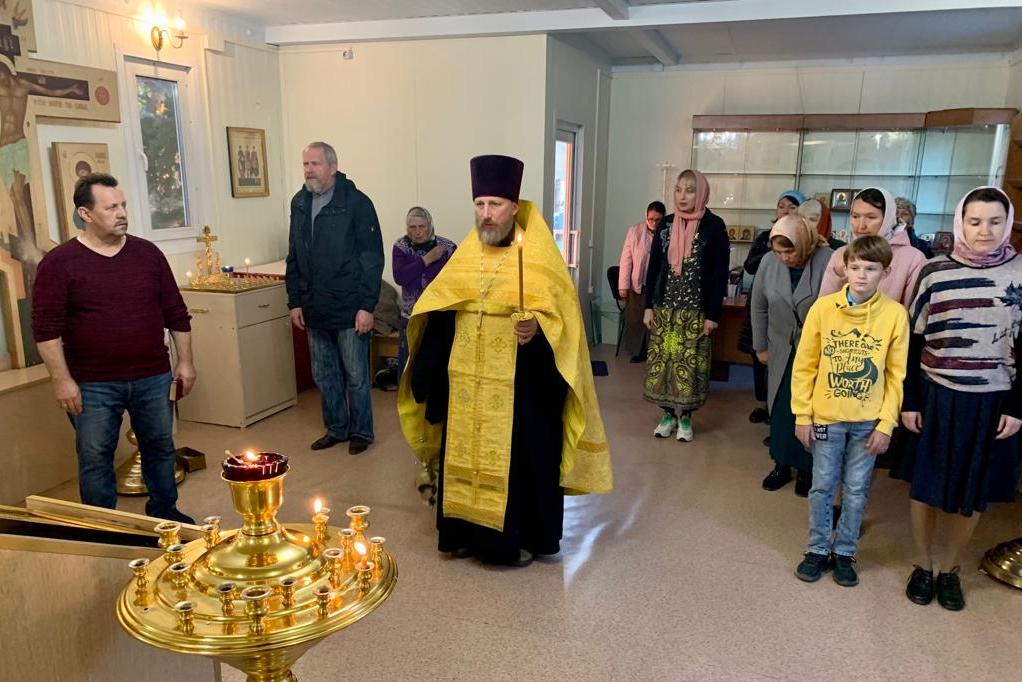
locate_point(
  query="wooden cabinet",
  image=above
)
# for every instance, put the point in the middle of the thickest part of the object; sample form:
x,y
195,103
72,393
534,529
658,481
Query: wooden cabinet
x,y
244,357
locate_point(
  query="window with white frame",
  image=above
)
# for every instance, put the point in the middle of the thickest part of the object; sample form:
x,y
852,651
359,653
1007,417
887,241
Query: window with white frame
x,y
167,133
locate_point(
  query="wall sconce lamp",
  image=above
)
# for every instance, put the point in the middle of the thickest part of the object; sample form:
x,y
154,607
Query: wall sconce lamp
x,y
174,35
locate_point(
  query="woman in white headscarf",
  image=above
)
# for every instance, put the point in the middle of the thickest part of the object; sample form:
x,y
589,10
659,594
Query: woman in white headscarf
x,y
874,212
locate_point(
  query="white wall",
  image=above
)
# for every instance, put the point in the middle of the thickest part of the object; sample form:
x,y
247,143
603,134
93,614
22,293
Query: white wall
x,y
651,114
406,117
242,88
578,92
1014,94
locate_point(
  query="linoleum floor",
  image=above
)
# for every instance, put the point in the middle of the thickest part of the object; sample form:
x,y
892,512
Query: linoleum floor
x,y
684,572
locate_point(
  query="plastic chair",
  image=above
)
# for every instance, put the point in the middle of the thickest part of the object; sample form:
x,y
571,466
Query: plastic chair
x,y
612,274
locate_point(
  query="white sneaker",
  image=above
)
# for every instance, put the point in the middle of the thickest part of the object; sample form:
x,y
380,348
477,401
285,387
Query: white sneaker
x,y
685,432
666,426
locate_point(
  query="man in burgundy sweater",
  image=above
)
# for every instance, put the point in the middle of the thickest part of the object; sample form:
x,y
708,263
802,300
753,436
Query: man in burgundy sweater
x,y
100,305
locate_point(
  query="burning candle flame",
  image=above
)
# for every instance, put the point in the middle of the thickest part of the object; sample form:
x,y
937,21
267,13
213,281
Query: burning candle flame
x,y
251,456
318,505
518,238
188,274
248,261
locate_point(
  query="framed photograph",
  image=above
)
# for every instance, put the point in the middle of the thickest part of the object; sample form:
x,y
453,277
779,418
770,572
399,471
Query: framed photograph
x,y
841,199
746,235
71,161
732,233
246,151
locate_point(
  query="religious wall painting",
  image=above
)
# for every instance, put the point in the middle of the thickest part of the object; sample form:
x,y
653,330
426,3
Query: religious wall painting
x,y
246,151
29,90
72,161
17,25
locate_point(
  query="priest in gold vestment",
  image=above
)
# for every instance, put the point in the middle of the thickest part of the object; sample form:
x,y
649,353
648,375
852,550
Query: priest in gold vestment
x,y
503,399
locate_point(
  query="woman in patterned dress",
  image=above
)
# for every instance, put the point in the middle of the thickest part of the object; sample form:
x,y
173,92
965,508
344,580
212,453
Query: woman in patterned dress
x,y
686,282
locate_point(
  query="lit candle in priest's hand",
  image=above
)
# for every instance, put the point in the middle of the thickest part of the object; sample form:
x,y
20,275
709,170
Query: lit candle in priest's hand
x,y
188,275
521,275
248,262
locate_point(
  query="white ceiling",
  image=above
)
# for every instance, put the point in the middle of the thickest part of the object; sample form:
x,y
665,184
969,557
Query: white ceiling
x,y
275,12
660,31
987,30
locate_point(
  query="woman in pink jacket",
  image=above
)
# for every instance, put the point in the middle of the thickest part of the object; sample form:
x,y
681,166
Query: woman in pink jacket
x,y
874,212
632,278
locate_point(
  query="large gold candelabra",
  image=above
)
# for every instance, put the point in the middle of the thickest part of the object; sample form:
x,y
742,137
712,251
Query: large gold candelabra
x,y
259,597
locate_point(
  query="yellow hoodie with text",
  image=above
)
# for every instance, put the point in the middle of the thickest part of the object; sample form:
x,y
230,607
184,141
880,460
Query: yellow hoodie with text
x,y
850,362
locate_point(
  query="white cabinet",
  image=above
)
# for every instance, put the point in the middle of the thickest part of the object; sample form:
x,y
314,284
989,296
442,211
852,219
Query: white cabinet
x,y
244,357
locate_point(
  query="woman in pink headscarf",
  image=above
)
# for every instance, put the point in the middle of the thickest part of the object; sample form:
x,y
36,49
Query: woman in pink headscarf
x,y
686,282
963,392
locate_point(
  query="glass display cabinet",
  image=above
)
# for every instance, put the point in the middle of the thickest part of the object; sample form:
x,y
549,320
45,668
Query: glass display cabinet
x,y
931,158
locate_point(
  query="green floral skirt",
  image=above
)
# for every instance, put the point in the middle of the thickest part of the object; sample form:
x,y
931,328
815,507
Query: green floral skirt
x,y
679,360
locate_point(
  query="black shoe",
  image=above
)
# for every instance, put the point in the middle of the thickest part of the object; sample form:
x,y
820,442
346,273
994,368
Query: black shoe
x,y
813,566
358,445
173,514
759,416
641,357
525,558
462,553
803,482
327,441
844,571
949,590
920,586
766,441
778,478
836,516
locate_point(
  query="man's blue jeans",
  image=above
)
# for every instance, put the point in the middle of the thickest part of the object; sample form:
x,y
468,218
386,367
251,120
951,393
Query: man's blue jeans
x,y
98,428
340,368
839,452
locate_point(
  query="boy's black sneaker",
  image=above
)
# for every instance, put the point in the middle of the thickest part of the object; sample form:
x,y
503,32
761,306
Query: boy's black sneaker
x,y
920,586
844,571
813,566
803,482
949,590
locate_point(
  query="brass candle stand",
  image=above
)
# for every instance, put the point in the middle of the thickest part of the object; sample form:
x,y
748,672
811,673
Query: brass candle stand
x,y
209,277
258,597
129,474
1004,562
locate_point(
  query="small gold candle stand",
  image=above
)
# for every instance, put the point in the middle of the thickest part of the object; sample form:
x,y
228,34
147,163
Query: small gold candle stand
x,y
209,277
129,474
1004,562
256,598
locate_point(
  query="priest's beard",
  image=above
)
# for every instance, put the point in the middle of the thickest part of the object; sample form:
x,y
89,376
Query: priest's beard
x,y
492,234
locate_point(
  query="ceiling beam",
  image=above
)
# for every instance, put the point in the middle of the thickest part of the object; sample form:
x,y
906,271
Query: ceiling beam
x,y
639,17
653,41
615,9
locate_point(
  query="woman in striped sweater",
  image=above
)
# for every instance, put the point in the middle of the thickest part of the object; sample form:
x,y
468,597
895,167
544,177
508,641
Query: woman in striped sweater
x,y
962,392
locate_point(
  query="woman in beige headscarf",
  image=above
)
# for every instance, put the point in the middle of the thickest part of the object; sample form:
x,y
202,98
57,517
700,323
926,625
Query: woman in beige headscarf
x,y
787,284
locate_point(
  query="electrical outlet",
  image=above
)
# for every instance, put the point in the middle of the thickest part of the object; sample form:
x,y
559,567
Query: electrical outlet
x,y
349,53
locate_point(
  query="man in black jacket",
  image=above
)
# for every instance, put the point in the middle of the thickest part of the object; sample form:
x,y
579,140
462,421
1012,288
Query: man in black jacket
x,y
334,270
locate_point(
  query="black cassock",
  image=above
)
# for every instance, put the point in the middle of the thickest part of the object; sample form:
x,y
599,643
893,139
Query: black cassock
x,y
535,502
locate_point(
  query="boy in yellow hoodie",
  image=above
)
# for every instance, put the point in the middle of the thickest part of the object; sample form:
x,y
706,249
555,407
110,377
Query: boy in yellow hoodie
x,y
846,390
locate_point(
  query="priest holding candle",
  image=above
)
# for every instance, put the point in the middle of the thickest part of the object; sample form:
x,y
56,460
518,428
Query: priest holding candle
x,y
499,388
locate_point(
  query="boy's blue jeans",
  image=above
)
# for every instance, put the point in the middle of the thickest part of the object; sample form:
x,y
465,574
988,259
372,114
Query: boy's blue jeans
x,y
839,452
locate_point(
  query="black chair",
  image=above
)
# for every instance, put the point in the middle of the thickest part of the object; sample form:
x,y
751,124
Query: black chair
x,y
612,274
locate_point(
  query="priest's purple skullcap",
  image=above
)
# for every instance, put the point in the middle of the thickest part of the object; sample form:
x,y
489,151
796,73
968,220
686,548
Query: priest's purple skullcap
x,y
494,175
